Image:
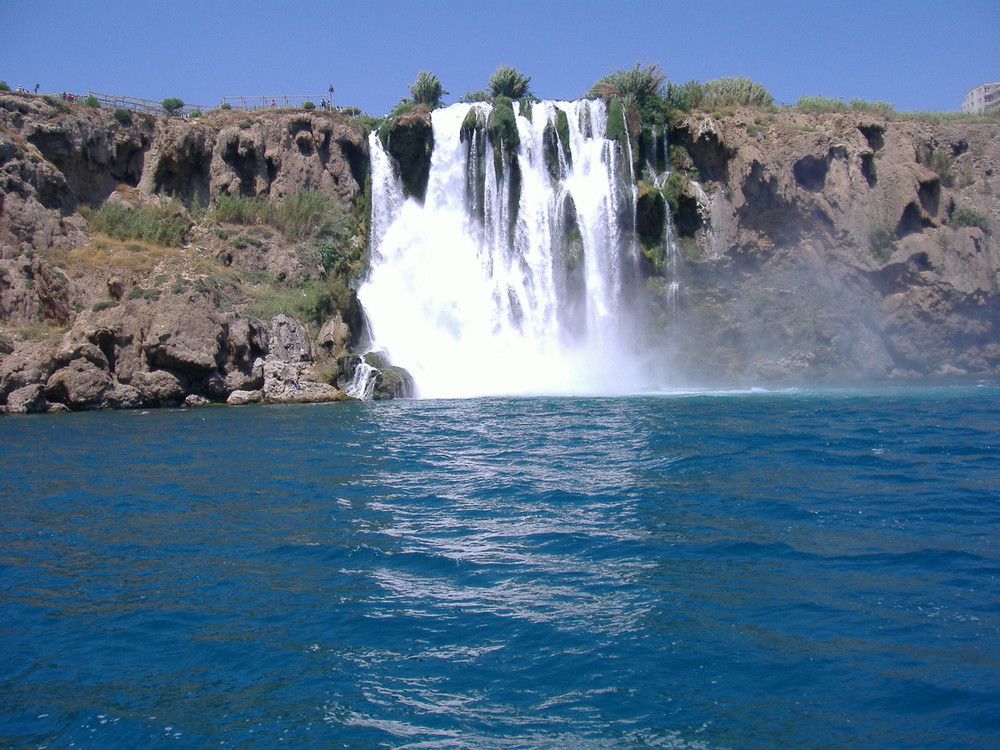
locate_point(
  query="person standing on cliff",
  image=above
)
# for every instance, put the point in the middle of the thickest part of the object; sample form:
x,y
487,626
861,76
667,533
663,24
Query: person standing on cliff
x,y
36,88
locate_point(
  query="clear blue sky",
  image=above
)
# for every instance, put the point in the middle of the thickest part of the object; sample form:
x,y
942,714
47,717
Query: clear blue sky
x,y
916,54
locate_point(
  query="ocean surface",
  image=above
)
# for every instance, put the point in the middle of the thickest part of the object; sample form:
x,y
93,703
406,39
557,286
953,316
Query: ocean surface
x,y
789,569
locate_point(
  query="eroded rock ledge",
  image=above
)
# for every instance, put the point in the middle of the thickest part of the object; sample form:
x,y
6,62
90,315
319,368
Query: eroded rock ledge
x,y
811,247
91,323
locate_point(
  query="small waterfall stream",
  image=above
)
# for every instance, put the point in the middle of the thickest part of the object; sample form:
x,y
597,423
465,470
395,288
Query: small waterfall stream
x,y
671,252
517,274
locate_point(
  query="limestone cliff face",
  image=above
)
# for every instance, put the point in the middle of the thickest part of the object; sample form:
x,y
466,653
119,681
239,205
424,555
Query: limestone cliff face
x,y
836,246
83,328
56,157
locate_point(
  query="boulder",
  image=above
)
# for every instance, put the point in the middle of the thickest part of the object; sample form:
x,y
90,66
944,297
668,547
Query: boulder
x,y
288,340
393,382
283,383
27,400
186,336
241,397
334,338
30,363
82,385
253,379
246,343
159,388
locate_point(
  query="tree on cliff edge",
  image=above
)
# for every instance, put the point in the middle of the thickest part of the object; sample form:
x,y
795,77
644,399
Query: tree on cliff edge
x,y
634,86
509,82
427,90
172,105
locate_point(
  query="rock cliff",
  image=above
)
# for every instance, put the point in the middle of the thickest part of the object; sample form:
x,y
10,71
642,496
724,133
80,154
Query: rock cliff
x,y
89,321
837,246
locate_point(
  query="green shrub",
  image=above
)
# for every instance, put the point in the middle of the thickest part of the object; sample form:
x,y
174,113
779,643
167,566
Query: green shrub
x,y
312,302
632,86
328,253
165,224
937,160
104,305
882,240
309,213
4,86
225,105
509,82
194,113
137,292
820,104
677,185
123,116
240,209
427,90
172,104
303,215
206,284
242,242
308,105
615,130
480,95
967,217
91,101
684,97
501,126
878,107
736,92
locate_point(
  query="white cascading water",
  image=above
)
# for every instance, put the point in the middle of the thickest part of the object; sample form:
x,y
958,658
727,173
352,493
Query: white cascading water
x,y
473,303
671,254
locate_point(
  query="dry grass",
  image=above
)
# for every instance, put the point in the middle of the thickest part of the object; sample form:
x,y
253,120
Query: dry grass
x,y
107,252
39,331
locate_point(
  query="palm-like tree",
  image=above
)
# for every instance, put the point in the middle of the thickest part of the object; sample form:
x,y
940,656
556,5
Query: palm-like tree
x,y
427,90
510,82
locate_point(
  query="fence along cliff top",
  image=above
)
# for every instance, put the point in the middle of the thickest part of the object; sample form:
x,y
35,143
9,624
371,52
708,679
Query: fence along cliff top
x,y
248,103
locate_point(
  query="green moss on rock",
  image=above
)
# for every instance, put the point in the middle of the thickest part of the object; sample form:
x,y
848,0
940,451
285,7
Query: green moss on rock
x,y
615,130
650,213
410,142
501,127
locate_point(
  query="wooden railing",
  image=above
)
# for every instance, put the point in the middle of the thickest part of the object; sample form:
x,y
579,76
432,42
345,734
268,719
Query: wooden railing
x,y
141,105
250,103
246,103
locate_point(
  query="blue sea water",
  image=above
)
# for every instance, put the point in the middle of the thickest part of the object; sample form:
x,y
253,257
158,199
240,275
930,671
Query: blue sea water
x,y
795,569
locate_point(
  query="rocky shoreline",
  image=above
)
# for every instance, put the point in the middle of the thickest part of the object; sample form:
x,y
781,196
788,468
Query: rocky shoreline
x,y
837,247
91,322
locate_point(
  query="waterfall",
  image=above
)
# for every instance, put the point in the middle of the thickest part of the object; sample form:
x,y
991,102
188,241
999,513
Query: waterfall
x,y
518,273
362,383
386,186
670,250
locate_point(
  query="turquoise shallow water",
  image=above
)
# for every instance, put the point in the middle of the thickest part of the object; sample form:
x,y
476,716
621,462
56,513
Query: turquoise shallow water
x,y
703,570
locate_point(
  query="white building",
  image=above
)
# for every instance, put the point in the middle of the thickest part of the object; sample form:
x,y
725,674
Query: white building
x,y
983,97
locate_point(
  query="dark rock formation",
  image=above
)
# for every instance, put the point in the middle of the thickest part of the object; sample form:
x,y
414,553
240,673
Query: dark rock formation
x,y
828,249
393,382
410,142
